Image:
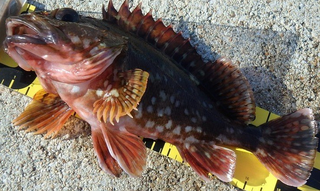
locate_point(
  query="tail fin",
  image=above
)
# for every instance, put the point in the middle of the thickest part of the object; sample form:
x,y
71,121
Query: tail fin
x,y
288,147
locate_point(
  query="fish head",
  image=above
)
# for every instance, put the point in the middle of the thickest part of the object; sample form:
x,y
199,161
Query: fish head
x,y
61,45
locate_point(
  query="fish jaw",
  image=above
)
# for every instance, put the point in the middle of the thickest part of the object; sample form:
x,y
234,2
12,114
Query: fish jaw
x,y
55,52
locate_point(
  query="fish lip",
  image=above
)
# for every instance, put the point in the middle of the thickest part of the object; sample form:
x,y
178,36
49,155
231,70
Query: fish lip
x,y
37,25
15,21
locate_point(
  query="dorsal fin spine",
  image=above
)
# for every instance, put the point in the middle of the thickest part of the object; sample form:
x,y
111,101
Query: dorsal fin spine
x,y
145,21
153,33
111,14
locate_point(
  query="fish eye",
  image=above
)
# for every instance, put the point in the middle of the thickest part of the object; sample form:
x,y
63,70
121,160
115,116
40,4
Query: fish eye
x,y
66,14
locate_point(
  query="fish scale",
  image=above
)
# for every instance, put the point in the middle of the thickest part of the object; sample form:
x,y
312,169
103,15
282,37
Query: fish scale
x,y
141,78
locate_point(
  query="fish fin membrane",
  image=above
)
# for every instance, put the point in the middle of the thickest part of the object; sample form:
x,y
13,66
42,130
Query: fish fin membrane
x,y
127,149
213,159
46,113
107,163
288,147
230,90
123,98
220,80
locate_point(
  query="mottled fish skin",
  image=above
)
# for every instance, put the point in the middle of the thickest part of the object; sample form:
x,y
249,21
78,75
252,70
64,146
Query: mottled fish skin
x,y
128,76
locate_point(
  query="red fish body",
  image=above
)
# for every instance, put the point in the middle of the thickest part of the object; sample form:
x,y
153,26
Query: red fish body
x,y
128,76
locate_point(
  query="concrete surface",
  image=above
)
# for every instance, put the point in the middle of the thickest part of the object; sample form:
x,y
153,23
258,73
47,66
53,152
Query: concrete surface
x,y
276,44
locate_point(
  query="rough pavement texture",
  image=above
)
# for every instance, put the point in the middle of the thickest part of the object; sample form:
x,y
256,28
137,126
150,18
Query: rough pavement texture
x,y
275,43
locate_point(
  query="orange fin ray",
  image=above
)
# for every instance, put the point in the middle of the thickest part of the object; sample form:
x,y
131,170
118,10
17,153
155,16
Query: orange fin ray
x,y
47,112
205,159
107,163
127,149
120,101
288,147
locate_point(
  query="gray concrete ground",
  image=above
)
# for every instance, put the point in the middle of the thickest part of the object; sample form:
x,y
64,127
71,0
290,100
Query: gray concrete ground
x,y
275,43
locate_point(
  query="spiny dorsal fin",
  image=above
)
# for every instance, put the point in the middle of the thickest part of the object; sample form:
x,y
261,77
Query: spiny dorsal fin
x,y
221,80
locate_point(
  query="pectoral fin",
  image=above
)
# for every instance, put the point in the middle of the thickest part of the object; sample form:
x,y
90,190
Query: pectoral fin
x,y
124,96
47,112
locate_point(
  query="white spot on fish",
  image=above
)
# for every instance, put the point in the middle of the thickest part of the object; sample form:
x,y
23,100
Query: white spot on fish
x,y
199,129
160,112
261,152
186,111
262,140
207,154
188,129
150,109
204,118
194,120
191,139
177,130
270,142
160,128
167,111
99,92
177,104
197,112
163,95
75,89
122,128
75,39
230,130
169,124
150,124
153,100
158,77
86,43
204,104
93,51
139,114
172,98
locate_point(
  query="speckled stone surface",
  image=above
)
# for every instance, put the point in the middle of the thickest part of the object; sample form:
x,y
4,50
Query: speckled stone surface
x,y
275,43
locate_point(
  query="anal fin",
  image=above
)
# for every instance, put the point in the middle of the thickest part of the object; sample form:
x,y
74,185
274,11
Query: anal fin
x,y
123,96
47,112
205,159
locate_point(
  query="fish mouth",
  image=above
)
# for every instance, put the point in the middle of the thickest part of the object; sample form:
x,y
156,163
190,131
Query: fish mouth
x,y
33,29
31,37
20,31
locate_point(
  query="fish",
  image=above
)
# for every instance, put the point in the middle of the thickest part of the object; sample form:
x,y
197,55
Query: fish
x,y
130,76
